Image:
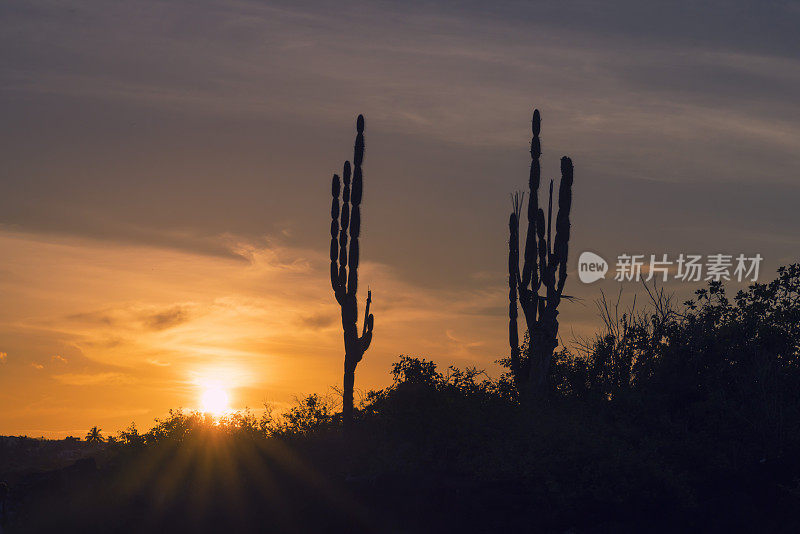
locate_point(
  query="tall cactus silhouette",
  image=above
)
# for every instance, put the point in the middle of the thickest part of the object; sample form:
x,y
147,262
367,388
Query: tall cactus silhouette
x,y
513,276
545,264
344,269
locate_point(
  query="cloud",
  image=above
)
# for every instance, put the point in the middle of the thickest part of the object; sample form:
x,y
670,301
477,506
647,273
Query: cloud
x,y
93,379
37,366
166,319
605,75
101,318
461,346
3,357
59,359
133,317
316,321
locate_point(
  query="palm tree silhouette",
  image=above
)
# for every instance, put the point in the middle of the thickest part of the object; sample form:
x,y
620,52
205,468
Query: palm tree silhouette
x,y
94,436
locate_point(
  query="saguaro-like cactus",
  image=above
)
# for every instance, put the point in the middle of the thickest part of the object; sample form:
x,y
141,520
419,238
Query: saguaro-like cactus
x,y
545,264
344,269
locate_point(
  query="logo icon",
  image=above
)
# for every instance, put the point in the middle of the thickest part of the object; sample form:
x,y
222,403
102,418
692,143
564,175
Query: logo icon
x,y
591,267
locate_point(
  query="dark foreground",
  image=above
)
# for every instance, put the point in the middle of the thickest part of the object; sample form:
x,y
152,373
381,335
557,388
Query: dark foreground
x,y
218,484
673,420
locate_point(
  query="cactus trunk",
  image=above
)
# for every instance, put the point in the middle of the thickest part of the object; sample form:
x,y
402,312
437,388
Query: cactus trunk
x,y
347,393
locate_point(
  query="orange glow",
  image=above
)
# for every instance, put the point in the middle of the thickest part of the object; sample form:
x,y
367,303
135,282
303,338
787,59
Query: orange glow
x,y
140,330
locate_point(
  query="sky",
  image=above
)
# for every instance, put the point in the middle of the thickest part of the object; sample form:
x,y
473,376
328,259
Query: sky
x,y
165,180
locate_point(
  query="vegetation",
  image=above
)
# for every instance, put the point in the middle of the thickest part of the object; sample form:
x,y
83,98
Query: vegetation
x,y
544,259
94,435
345,284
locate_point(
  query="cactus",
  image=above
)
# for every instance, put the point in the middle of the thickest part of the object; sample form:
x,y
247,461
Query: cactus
x,y
545,264
513,268
344,269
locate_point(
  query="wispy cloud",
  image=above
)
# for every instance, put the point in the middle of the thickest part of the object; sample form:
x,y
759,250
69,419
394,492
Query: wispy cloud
x,y
166,319
93,379
317,321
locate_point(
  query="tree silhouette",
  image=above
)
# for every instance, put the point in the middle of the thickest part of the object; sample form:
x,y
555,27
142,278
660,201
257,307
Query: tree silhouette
x,y
542,261
345,284
94,435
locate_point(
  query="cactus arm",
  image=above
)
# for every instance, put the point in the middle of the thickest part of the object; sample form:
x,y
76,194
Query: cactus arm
x,y
366,339
338,290
540,228
562,221
550,220
530,269
345,223
513,279
366,312
369,322
357,193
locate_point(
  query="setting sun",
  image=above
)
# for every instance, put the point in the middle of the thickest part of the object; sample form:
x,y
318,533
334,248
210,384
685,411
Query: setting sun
x,y
215,401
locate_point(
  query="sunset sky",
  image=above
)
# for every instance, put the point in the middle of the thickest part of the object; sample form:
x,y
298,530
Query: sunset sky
x,y
165,180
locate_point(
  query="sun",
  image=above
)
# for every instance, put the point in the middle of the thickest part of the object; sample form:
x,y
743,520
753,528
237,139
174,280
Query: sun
x,y
215,401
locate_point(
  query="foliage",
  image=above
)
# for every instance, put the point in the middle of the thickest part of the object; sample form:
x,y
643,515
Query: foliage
x,y
131,437
727,369
94,435
309,415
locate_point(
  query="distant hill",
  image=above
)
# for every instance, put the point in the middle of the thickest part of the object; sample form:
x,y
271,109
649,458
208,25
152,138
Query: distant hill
x,y
22,455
